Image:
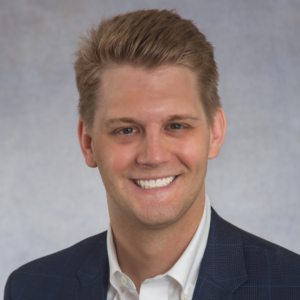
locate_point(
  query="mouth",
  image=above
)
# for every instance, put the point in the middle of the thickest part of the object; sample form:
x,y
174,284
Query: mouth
x,y
154,184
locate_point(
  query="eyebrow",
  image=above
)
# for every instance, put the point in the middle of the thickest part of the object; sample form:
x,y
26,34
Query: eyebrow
x,y
182,117
176,117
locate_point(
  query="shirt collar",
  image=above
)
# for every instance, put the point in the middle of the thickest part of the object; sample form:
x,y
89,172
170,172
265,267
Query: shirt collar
x,y
186,268
112,255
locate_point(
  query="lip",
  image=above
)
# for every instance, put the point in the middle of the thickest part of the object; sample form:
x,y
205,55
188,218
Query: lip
x,y
155,190
155,178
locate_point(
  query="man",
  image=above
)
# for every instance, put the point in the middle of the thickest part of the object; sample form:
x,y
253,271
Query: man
x,y
150,118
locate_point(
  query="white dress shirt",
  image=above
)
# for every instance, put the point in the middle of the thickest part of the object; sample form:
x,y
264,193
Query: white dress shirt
x,y
177,284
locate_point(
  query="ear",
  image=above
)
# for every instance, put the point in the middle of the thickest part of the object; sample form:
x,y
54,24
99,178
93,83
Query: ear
x,y
217,133
85,141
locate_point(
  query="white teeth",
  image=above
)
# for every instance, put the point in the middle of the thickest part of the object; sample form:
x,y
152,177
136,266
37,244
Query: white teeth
x,y
146,184
152,184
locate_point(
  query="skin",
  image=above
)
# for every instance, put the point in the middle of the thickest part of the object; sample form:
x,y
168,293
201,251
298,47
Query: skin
x,y
151,124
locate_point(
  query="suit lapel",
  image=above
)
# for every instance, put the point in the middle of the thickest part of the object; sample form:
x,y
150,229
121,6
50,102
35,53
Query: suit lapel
x,y
222,269
94,274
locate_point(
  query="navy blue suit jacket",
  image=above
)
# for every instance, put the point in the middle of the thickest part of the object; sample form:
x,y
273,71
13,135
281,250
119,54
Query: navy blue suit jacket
x,y
236,265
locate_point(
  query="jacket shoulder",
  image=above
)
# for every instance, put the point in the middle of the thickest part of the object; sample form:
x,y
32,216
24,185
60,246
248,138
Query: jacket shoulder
x,y
254,243
51,274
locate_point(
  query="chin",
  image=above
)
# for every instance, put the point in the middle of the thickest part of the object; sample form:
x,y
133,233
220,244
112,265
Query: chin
x,y
159,217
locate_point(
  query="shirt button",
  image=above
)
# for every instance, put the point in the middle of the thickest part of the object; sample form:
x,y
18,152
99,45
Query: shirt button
x,y
184,297
123,280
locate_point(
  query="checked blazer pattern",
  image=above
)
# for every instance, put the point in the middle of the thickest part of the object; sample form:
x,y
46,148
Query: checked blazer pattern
x,y
236,266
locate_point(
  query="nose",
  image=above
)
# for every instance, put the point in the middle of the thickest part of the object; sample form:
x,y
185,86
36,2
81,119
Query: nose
x,y
154,150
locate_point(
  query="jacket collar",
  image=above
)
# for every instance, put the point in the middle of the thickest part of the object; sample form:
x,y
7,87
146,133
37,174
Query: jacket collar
x,y
94,273
222,269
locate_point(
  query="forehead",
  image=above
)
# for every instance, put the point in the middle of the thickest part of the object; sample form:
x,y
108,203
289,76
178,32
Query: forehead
x,y
127,78
127,90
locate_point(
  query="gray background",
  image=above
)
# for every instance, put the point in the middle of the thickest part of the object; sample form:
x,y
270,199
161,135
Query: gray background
x,y
51,200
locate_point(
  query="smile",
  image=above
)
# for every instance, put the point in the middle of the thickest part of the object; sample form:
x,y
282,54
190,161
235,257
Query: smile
x,y
153,184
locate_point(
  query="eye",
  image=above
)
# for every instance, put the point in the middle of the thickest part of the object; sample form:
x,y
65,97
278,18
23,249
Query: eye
x,y
176,126
126,131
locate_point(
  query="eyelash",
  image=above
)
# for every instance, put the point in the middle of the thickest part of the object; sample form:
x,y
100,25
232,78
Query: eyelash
x,y
181,126
125,129
121,130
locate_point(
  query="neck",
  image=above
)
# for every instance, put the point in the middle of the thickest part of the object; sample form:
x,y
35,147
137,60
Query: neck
x,y
144,253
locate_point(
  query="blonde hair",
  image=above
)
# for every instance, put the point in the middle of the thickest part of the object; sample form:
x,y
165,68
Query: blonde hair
x,y
148,39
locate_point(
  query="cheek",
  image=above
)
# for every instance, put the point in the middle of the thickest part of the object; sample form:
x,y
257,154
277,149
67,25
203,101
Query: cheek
x,y
193,153
115,159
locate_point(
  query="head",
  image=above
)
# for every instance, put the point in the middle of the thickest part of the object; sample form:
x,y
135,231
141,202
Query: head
x,y
149,115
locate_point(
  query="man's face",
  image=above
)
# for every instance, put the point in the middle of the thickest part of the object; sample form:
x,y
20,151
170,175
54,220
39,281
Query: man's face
x,y
151,141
